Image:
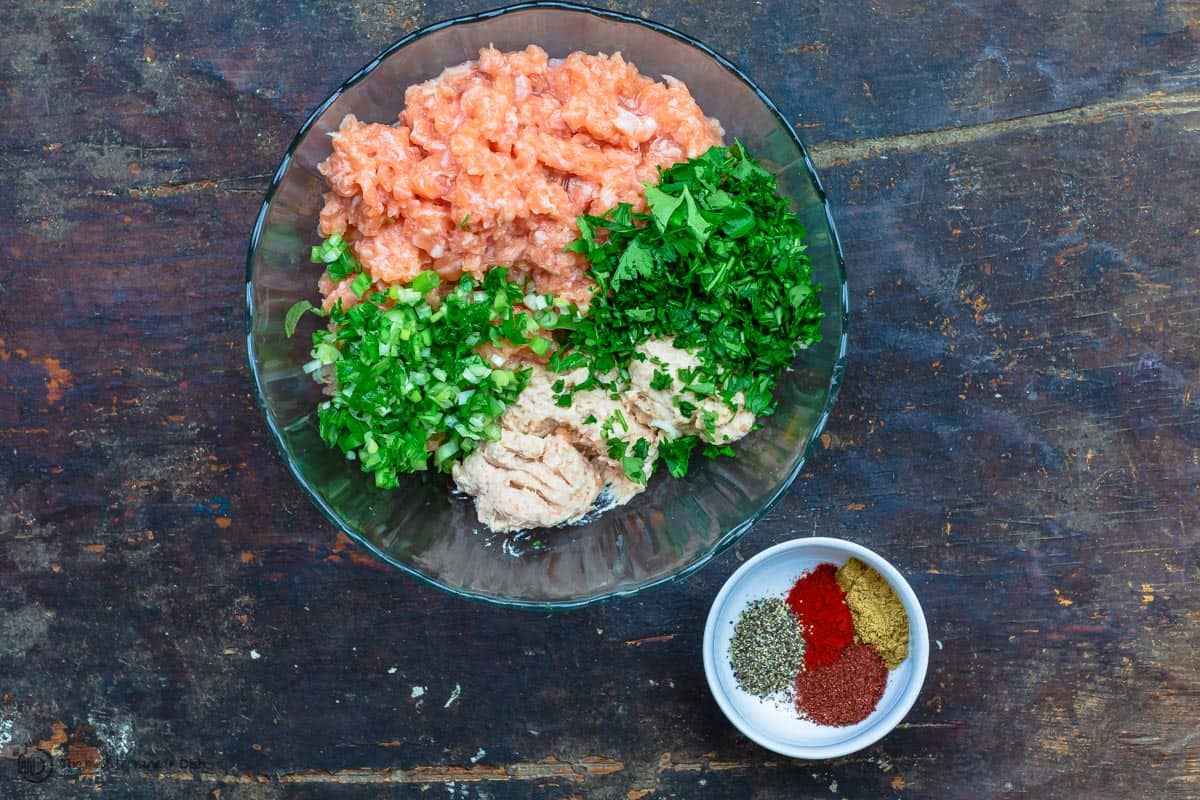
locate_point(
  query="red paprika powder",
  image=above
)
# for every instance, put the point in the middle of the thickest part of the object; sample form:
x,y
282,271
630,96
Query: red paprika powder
x,y
820,603
844,692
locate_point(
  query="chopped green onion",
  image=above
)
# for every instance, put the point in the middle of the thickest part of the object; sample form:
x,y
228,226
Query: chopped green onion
x,y
404,295
292,318
535,302
426,282
360,284
445,452
326,353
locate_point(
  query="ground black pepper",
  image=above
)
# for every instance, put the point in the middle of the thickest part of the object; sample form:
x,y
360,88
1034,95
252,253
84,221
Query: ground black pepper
x,y
767,647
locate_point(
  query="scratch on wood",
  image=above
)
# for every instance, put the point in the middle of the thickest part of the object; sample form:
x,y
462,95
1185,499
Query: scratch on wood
x,y
549,768
1170,105
171,189
706,764
665,637
231,185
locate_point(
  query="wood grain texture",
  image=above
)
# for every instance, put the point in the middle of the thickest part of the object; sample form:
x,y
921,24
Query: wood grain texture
x,y
1019,429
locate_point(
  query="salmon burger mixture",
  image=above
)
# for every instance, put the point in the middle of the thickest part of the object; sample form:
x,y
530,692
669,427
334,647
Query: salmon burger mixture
x,y
492,162
546,278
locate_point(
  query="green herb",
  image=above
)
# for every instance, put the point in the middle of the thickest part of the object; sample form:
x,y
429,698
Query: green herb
x,y
335,254
634,468
614,419
298,310
409,384
676,453
713,451
361,284
616,448
426,282
462,224
718,263
632,458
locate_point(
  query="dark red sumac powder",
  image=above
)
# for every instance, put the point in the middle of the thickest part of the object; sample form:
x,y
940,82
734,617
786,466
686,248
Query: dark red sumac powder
x,y
820,603
844,692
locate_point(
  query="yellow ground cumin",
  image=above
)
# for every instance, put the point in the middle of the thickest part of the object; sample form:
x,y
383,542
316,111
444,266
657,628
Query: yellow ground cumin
x,y
879,617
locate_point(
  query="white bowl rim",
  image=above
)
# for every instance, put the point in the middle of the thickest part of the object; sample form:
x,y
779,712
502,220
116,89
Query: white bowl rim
x,y
918,636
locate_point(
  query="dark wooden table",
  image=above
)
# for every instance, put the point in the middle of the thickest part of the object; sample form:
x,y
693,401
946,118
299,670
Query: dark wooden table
x,y
1016,185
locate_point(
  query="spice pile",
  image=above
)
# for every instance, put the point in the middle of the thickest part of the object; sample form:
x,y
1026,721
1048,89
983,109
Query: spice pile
x,y
828,647
766,648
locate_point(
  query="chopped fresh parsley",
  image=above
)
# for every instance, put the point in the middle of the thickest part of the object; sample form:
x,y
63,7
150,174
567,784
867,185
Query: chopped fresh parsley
x,y
661,381
632,458
712,450
676,453
616,448
717,262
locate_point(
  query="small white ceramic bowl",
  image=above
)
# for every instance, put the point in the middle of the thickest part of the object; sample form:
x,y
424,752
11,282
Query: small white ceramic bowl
x,y
776,726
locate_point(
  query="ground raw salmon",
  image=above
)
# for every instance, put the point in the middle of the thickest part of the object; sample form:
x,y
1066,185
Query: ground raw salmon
x,y
491,162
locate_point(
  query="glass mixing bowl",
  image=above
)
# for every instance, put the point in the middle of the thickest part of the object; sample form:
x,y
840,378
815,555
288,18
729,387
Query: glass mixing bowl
x,y
673,528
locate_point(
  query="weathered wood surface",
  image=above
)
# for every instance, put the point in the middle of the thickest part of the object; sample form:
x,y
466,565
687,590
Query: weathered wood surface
x,y
1016,185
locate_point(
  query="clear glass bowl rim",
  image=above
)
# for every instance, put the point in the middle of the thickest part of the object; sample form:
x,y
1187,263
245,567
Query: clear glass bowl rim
x,y
726,539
